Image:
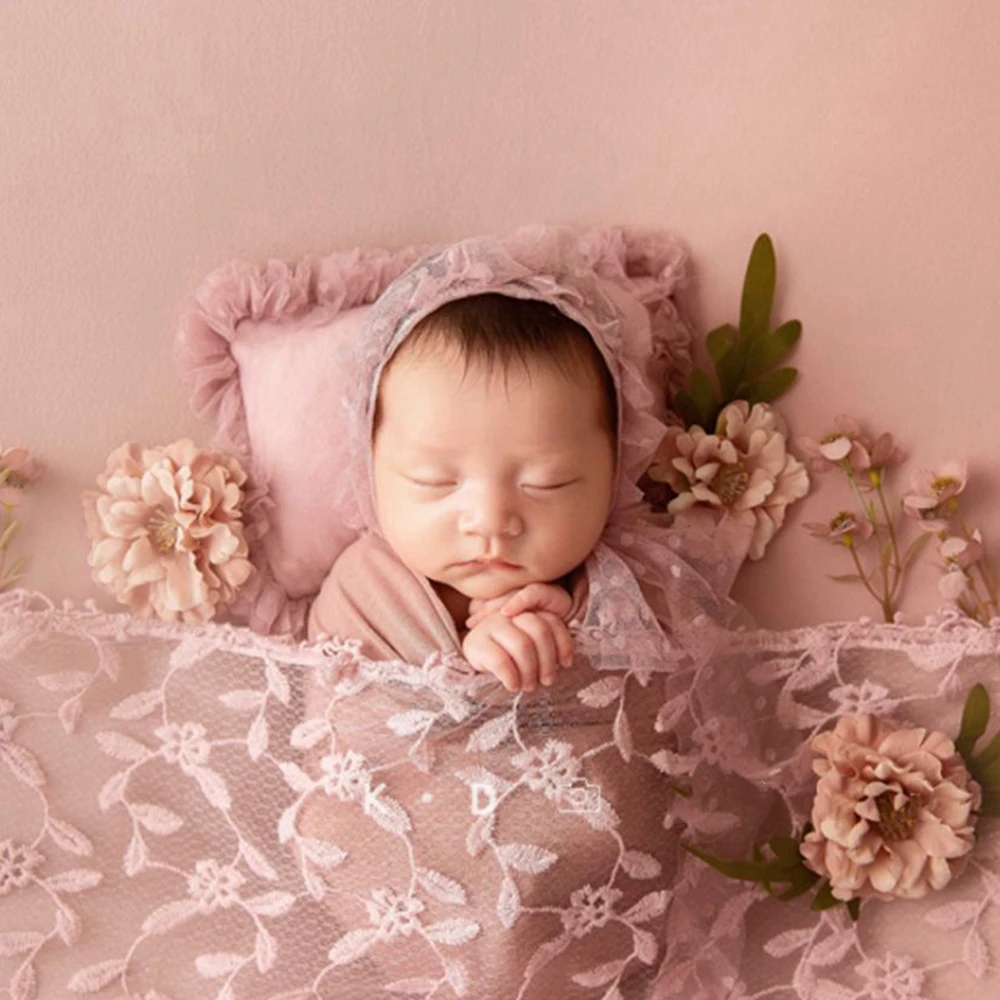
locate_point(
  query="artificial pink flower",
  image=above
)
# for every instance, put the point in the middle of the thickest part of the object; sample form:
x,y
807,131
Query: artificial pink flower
x,y
844,529
744,469
167,531
894,810
18,469
958,554
830,451
934,499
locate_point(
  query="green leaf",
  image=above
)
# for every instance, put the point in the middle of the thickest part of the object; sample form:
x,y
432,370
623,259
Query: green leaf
x,y
803,881
786,850
703,394
824,899
854,908
768,387
975,718
720,342
991,802
758,290
686,407
989,754
768,349
747,871
9,532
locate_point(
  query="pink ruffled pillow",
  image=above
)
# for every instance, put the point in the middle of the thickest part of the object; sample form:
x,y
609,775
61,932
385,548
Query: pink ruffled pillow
x,y
269,350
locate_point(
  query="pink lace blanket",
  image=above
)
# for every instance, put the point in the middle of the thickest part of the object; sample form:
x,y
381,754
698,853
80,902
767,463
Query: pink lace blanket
x,y
179,821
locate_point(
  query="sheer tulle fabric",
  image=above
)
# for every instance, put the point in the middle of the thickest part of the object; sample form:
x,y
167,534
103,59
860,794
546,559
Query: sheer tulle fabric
x,y
155,778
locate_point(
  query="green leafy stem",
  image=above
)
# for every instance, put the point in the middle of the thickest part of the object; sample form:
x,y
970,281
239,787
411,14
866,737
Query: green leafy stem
x,y
744,358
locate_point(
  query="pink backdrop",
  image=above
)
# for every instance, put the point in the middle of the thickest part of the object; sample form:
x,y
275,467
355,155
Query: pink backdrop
x,y
146,143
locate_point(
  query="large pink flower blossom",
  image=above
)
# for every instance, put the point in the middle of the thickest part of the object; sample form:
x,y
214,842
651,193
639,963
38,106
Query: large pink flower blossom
x,y
167,530
893,812
744,469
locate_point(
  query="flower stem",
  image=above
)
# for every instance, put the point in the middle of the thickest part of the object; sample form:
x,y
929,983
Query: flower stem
x,y
883,599
897,566
8,521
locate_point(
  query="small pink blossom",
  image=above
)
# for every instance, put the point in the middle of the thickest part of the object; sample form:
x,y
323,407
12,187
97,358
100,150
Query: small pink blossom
x,y
18,469
830,451
214,886
590,909
934,497
392,914
743,469
167,531
958,554
844,528
894,810
17,865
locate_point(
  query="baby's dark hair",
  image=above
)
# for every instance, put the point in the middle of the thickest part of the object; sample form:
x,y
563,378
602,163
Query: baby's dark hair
x,y
492,331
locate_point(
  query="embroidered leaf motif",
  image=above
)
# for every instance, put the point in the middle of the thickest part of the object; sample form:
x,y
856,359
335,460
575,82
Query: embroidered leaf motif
x,y
479,833
138,706
454,931
75,880
243,700
623,735
645,945
788,941
307,734
408,723
602,692
457,976
653,904
599,974
527,857
412,987
545,953
218,964
352,946
256,862
670,713
271,904
65,680
136,856
953,915
157,819
640,865
265,951
975,954
257,738
390,815
277,682
122,747
603,817
827,989
322,852
22,764
508,903
96,977
491,734
440,886
169,915
674,764
213,787
18,942
23,984
286,825
69,715
296,777
112,790
833,949
69,838
67,924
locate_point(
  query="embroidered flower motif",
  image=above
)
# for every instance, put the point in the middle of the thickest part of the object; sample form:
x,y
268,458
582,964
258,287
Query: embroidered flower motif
x,y
896,978
716,744
18,469
345,775
551,770
17,863
892,815
854,700
214,886
934,497
590,908
393,914
744,468
184,745
167,531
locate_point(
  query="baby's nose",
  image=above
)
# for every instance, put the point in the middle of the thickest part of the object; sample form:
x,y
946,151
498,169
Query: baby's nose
x,y
491,517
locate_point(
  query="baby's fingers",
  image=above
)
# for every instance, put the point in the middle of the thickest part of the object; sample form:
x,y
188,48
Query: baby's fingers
x,y
539,597
563,640
495,660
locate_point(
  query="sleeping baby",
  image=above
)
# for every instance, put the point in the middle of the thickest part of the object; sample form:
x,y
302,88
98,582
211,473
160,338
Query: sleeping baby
x,y
494,442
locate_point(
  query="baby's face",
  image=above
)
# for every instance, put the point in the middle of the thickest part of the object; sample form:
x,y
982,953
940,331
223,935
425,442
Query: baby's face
x,y
476,470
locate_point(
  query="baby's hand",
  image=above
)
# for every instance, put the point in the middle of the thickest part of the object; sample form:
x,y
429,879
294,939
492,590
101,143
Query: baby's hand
x,y
520,651
534,597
